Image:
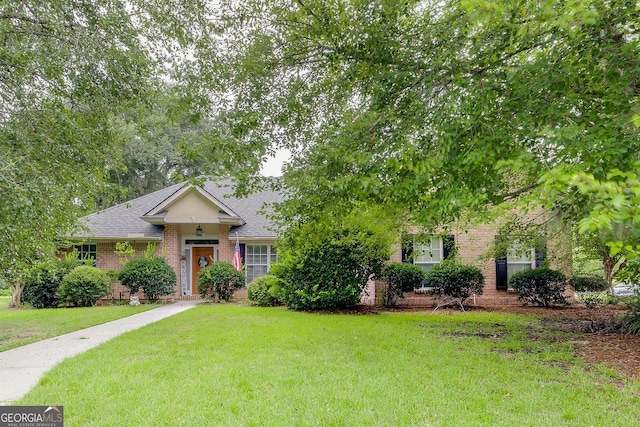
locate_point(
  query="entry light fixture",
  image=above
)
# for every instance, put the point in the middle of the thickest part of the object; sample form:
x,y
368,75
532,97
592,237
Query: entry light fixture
x,y
199,231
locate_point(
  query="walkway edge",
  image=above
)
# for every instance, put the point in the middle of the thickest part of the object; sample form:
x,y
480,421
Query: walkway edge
x,y
21,368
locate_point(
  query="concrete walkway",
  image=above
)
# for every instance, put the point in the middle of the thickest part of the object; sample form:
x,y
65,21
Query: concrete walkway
x,y
21,368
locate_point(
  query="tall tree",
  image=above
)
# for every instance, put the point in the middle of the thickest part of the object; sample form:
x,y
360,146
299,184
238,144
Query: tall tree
x,y
439,109
165,146
67,69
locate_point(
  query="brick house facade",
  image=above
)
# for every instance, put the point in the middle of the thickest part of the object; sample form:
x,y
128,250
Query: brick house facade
x,y
193,225
472,248
185,222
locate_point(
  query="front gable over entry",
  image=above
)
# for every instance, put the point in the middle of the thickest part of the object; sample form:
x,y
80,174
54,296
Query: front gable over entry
x,y
192,204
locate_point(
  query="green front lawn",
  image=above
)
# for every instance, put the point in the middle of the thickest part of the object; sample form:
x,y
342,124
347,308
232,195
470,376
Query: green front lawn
x,y
228,365
24,326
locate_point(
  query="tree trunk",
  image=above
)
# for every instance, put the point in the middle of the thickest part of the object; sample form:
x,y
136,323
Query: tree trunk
x,y
16,292
607,265
621,267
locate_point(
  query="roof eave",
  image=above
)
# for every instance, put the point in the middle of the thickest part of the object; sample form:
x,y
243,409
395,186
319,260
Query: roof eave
x,y
163,221
232,237
155,220
232,221
128,238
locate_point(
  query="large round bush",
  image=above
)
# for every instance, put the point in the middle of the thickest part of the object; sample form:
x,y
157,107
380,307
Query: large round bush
x,y
455,280
151,273
401,277
264,291
326,267
218,281
84,286
43,281
540,286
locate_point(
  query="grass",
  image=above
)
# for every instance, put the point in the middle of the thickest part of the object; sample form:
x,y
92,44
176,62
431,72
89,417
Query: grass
x,y
230,366
24,326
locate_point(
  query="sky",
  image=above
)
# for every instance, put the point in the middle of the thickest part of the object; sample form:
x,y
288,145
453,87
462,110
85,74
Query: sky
x,y
273,166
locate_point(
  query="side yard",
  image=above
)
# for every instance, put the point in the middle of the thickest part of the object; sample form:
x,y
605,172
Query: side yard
x,y
233,365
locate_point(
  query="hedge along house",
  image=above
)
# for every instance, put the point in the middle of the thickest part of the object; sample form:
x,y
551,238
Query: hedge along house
x,y
473,247
193,226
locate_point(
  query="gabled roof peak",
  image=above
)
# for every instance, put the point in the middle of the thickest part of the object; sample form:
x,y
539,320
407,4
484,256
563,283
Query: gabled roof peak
x,y
180,193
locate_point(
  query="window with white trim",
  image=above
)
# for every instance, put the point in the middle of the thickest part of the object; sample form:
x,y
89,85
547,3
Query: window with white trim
x,y
515,254
258,260
519,258
428,253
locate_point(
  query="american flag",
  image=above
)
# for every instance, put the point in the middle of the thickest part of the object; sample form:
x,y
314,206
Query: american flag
x,y
237,261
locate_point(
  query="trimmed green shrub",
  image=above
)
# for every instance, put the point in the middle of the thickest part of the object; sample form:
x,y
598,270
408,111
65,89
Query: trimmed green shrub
x,y
540,286
264,291
218,281
588,283
401,277
43,281
406,276
151,273
455,280
84,286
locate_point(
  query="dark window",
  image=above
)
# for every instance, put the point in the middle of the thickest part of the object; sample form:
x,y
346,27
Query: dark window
x,y
87,251
201,241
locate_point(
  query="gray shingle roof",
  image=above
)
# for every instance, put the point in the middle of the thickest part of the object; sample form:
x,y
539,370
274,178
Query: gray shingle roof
x,y
125,220
256,224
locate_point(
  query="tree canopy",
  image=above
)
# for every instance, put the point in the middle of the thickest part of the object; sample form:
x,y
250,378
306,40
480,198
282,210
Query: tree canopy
x,y
442,110
67,70
437,110
162,147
